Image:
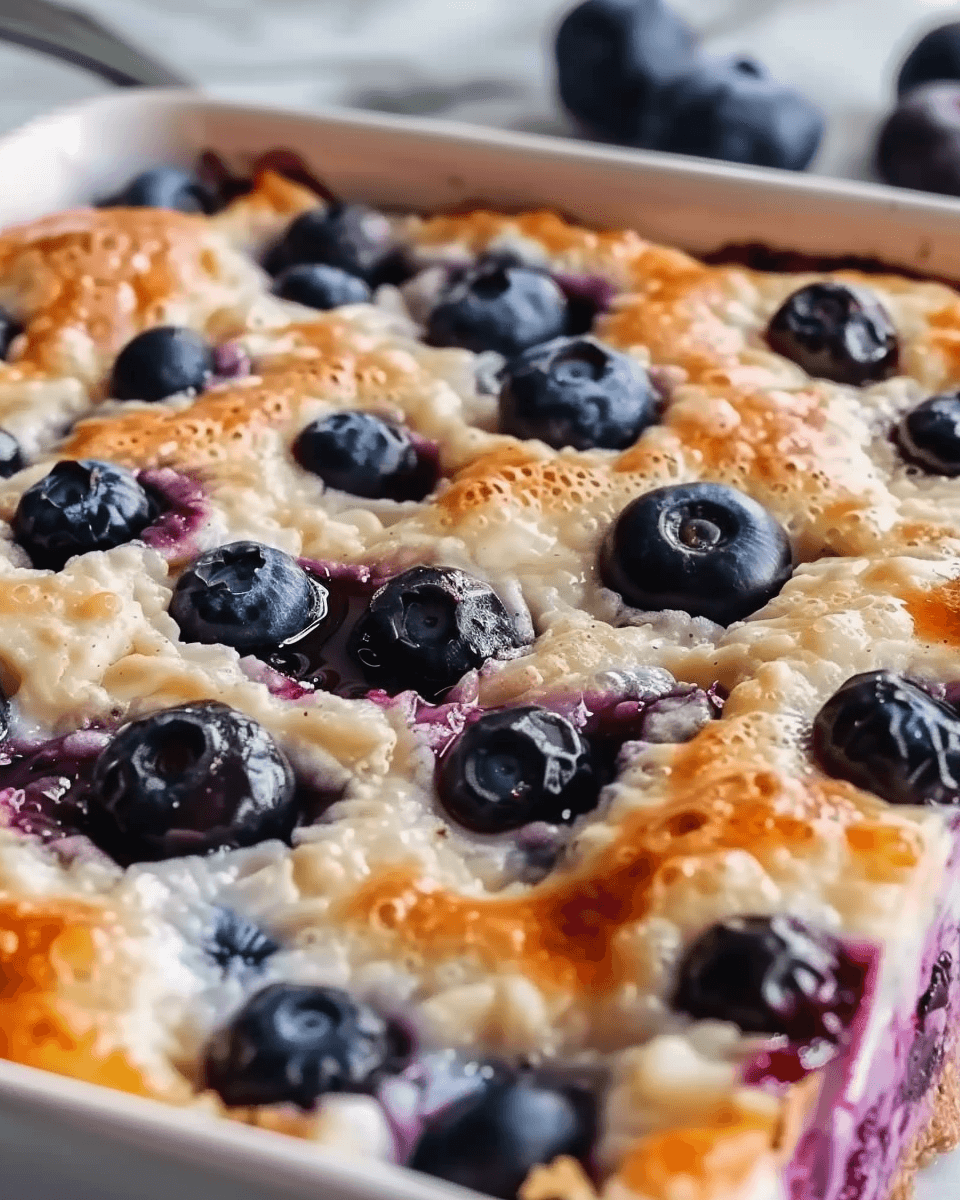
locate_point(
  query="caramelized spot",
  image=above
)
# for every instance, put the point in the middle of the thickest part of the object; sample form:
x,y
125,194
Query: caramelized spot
x,y
936,612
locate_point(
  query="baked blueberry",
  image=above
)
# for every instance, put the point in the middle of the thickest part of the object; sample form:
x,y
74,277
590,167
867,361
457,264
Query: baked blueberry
x,y
78,507
491,1138
919,144
237,942
836,332
292,1044
515,766
318,285
11,456
162,362
574,391
364,455
886,735
614,59
497,305
248,596
772,975
189,780
732,109
425,628
935,57
165,187
929,435
9,329
349,236
701,548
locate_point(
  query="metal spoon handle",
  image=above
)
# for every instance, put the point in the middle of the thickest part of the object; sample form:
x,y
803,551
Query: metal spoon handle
x,y
75,37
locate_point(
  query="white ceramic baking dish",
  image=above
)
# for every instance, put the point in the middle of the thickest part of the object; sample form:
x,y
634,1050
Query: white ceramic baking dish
x,y
60,1138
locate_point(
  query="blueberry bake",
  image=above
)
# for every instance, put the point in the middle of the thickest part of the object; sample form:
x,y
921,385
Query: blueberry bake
x,y
482,694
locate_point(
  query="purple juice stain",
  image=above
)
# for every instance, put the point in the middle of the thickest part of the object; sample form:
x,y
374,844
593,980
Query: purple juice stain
x,y
230,362
183,512
44,789
587,297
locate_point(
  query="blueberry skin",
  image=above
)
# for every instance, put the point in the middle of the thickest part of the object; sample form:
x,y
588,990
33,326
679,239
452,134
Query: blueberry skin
x,y
573,391
929,435
701,548
498,306
773,975
732,109
935,57
515,766
292,1044
78,507
11,456
919,145
887,736
426,628
165,187
318,285
10,328
190,780
354,238
359,453
237,942
836,332
162,362
248,596
489,1140
614,58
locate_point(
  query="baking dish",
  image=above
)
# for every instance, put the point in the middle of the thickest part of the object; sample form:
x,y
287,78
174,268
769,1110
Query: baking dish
x,y
65,159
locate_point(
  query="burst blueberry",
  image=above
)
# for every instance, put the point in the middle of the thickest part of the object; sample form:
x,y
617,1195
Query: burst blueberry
x,y
237,942
162,362
294,1043
189,780
836,332
919,144
929,435
362,454
165,187
574,391
701,548
10,328
11,455
352,237
935,57
319,285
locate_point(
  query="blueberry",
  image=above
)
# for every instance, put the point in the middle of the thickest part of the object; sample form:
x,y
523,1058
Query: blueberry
x,y
9,329
614,58
772,975
935,57
497,306
576,392
354,238
165,187
929,435
836,332
78,507
238,942
886,735
919,145
515,766
11,456
733,110
937,993
700,548
247,596
318,285
359,453
490,1139
425,628
190,780
292,1044
162,362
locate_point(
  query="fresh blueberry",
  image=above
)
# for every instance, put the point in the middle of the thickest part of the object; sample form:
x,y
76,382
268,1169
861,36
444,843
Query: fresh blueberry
x,y
576,392
237,942
935,57
490,1139
359,453
165,187
701,548
318,285
292,1044
929,435
247,596
919,145
190,780
614,59
11,456
425,628
78,507
497,306
354,238
772,975
515,766
9,329
834,331
886,735
162,362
